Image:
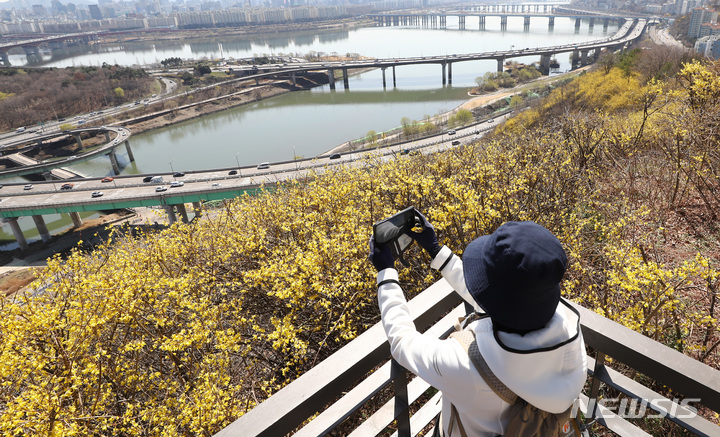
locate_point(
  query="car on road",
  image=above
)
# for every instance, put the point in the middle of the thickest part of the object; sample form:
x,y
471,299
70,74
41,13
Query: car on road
x,y
216,184
28,187
456,143
232,172
335,156
20,129
107,179
263,166
491,120
147,178
175,184
179,174
66,186
160,188
451,132
97,194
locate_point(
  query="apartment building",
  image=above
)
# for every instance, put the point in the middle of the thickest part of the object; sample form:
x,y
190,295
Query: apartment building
x,y
699,17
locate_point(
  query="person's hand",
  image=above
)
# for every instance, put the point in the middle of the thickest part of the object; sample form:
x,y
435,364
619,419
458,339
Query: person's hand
x,y
426,238
380,255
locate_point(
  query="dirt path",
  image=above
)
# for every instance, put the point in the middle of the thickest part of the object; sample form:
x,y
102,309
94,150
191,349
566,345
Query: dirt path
x,y
488,99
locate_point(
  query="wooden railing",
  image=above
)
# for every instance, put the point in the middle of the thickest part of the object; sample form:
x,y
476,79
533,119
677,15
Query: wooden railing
x,y
328,398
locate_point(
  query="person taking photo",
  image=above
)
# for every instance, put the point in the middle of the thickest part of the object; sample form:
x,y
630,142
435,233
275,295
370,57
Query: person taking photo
x,y
528,337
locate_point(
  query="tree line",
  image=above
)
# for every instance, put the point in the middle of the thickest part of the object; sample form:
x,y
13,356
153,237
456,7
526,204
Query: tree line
x,y
32,96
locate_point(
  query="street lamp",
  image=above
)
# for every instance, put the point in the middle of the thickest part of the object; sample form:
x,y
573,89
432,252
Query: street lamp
x,y
171,168
238,163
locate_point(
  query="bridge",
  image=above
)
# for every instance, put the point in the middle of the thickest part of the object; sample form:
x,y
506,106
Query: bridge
x,y
438,18
32,46
630,31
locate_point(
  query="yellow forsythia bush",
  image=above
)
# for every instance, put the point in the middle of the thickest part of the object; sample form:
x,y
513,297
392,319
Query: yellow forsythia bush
x,y
181,332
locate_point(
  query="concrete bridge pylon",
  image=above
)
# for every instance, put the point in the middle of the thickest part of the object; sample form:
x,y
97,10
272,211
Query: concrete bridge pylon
x,y
17,232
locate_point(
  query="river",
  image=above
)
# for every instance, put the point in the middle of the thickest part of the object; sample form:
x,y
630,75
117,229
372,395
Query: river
x,y
316,120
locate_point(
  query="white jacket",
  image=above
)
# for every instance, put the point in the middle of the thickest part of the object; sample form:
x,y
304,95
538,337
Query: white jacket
x,y
550,378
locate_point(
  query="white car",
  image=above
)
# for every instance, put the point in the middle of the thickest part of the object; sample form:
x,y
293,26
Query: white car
x,y
216,184
161,188
174,184
28,187
97,194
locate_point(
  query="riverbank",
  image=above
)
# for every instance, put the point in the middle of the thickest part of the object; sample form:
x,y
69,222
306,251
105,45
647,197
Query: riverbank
x,y
182,113
257,29
490,98
489,101
247,94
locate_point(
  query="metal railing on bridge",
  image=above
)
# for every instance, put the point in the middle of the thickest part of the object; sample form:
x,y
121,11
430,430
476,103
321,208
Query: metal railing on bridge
x,y
328,397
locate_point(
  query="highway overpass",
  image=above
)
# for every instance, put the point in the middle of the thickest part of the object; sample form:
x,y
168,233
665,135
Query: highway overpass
x,y
114,137
197,186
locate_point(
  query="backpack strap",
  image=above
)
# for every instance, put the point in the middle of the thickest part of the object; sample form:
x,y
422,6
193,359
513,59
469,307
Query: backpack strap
x,y
465,320
454,415
466,339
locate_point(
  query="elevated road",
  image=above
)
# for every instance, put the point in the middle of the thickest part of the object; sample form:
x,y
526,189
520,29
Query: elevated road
x,y
32,166
629,32
22,160
132,191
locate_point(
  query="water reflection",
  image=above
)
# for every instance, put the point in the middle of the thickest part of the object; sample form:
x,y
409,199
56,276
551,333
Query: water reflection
x,y
204,47
304,39
237,45
333,37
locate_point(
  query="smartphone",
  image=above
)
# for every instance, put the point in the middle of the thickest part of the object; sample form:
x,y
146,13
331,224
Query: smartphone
x,y
392,230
